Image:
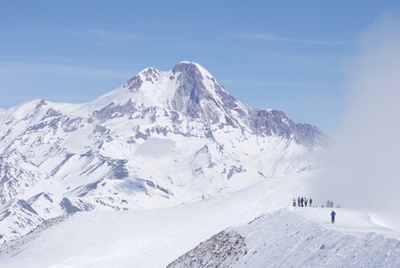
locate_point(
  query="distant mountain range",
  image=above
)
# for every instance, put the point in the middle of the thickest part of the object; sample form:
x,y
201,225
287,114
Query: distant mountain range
x,y
161,139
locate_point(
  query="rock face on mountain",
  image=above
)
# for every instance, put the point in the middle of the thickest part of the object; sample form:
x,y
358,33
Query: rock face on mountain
x,y
161,139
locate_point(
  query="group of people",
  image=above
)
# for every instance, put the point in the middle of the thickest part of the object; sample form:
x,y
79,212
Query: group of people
x,y
302,201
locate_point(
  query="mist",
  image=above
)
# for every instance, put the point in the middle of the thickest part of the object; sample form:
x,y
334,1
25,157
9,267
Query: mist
x,y
363,170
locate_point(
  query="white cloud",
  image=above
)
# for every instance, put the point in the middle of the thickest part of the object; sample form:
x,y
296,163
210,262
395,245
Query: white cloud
x,y
45,69
270,37
106,35
365,171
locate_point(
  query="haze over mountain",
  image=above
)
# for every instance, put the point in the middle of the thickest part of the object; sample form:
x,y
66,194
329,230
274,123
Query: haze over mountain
x,y
163,138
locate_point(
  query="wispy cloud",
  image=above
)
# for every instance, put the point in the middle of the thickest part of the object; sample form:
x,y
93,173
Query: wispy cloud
x,y
277,38
106,35
58,82
281,84
46,69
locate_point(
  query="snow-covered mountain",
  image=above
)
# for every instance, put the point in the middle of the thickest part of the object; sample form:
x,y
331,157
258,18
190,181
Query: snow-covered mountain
x,y
171,170
163,138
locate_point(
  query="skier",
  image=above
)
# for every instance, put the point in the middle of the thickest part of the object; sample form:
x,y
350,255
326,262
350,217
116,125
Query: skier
x,y
333,214
302,202
294,201
310,202
305,201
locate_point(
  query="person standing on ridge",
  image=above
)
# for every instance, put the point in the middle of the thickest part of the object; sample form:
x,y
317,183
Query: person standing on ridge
x,y
333,214
305,201
294,201
310,202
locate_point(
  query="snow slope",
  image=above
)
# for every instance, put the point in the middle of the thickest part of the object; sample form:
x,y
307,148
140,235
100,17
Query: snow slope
x,y
259,217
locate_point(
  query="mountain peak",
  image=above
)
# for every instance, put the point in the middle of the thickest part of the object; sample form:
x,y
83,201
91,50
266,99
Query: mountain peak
x,y
150,74
187,88
190,91
153,75
190,67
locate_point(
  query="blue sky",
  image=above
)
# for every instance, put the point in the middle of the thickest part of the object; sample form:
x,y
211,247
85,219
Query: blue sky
x,y
287,55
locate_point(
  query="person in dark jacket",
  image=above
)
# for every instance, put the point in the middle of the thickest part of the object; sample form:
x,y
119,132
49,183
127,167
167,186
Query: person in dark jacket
x,y
333,214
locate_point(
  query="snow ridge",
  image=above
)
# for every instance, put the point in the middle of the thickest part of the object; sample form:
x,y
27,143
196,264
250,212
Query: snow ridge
x,y
287,239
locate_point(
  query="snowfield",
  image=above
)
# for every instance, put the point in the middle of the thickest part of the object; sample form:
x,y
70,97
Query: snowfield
x,y
266,232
